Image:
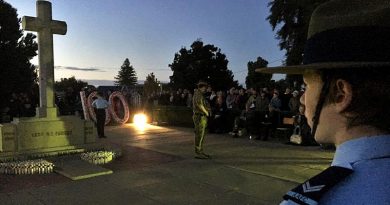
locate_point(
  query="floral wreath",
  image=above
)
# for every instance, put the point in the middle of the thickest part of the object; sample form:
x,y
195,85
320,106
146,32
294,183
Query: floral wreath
x,y
125,106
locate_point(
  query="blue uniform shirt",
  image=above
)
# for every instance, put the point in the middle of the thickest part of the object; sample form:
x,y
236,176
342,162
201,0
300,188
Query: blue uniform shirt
x,y
100,103
369,158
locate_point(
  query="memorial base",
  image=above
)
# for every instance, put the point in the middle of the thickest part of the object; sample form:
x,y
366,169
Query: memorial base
x,y
34,136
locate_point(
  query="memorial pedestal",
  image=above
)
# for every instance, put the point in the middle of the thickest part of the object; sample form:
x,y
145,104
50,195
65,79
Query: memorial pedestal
x,y
40,135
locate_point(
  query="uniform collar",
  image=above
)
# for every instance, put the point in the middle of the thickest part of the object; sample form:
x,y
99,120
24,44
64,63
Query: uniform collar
x,y
363,148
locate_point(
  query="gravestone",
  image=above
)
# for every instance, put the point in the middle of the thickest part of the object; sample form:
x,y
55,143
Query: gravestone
x,y
46,132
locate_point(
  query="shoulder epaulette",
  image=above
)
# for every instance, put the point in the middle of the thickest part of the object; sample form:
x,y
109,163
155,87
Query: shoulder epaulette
x,y
311,191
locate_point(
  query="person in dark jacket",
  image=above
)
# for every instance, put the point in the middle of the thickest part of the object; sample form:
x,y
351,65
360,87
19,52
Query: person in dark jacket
x,y
100,104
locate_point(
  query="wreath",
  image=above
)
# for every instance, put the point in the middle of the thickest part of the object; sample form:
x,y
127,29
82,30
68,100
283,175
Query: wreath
x,y
114,107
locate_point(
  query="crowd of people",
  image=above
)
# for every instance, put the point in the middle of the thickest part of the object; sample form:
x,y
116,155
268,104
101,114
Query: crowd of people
x,y
20,105
240,111
68,102
23,104
182,97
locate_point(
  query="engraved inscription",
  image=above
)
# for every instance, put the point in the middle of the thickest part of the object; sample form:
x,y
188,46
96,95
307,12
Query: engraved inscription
x,y
37,134
52,133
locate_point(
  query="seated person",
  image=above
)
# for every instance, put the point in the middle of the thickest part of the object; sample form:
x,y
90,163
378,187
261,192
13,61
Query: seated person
x,y
302,129
218,118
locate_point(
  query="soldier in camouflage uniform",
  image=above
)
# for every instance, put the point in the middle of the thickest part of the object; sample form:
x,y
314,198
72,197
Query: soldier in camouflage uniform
x,y
201,109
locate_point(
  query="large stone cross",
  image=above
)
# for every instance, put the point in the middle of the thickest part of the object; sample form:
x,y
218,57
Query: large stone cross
x,y
46,27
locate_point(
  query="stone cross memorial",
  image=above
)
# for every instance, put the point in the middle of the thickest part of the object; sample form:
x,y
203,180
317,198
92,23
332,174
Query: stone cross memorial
x,y
45,27
47,132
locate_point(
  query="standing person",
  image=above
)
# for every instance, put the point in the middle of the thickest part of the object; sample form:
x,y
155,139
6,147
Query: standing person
x,y
285,99
232,108
275,104
231,98
15,106
252,115
294,103
100,105
347,69
275,114
189,99
262,104
241,104
262,109
201,110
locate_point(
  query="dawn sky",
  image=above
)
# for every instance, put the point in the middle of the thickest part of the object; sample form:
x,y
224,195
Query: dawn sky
x,y
102,33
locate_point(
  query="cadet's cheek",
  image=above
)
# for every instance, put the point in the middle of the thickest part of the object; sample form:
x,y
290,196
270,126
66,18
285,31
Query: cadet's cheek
x,y
302,99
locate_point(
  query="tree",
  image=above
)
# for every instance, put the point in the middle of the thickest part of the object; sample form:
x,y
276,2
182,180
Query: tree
x,y
292,20
70,83
17,74
201,62
255,79
127,75
151,85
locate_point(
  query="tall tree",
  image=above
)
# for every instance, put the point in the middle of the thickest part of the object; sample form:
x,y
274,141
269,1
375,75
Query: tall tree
x,y
17,74
292,20
151,85
255,79
66,83
201,62
126,75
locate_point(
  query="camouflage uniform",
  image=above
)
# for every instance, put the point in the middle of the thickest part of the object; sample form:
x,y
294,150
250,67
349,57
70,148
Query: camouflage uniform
x,y
200,105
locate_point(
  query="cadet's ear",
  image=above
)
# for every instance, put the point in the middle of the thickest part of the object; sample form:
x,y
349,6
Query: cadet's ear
x,y
343,95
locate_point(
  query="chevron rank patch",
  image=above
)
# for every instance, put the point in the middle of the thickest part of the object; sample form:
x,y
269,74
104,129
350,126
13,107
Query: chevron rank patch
x,y
311,191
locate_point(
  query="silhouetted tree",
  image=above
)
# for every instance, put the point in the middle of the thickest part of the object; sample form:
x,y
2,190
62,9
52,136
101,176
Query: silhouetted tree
x,y
126,75
66,83
201,62
292,20
255,79
17,74
151,85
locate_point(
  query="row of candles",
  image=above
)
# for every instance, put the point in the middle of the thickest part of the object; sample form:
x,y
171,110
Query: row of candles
x,y
38,166
41,166
98,157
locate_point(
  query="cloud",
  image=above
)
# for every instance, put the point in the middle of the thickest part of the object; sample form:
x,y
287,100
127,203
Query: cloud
x,y
80,69
97,82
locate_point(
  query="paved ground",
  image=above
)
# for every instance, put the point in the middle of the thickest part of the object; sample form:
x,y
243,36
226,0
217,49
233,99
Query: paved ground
x,y
157,167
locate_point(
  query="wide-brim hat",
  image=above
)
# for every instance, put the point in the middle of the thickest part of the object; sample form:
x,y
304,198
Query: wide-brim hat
x,y
202,83
345,34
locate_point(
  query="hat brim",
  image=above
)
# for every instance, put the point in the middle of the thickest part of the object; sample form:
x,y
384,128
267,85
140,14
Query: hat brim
x,y
300,69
